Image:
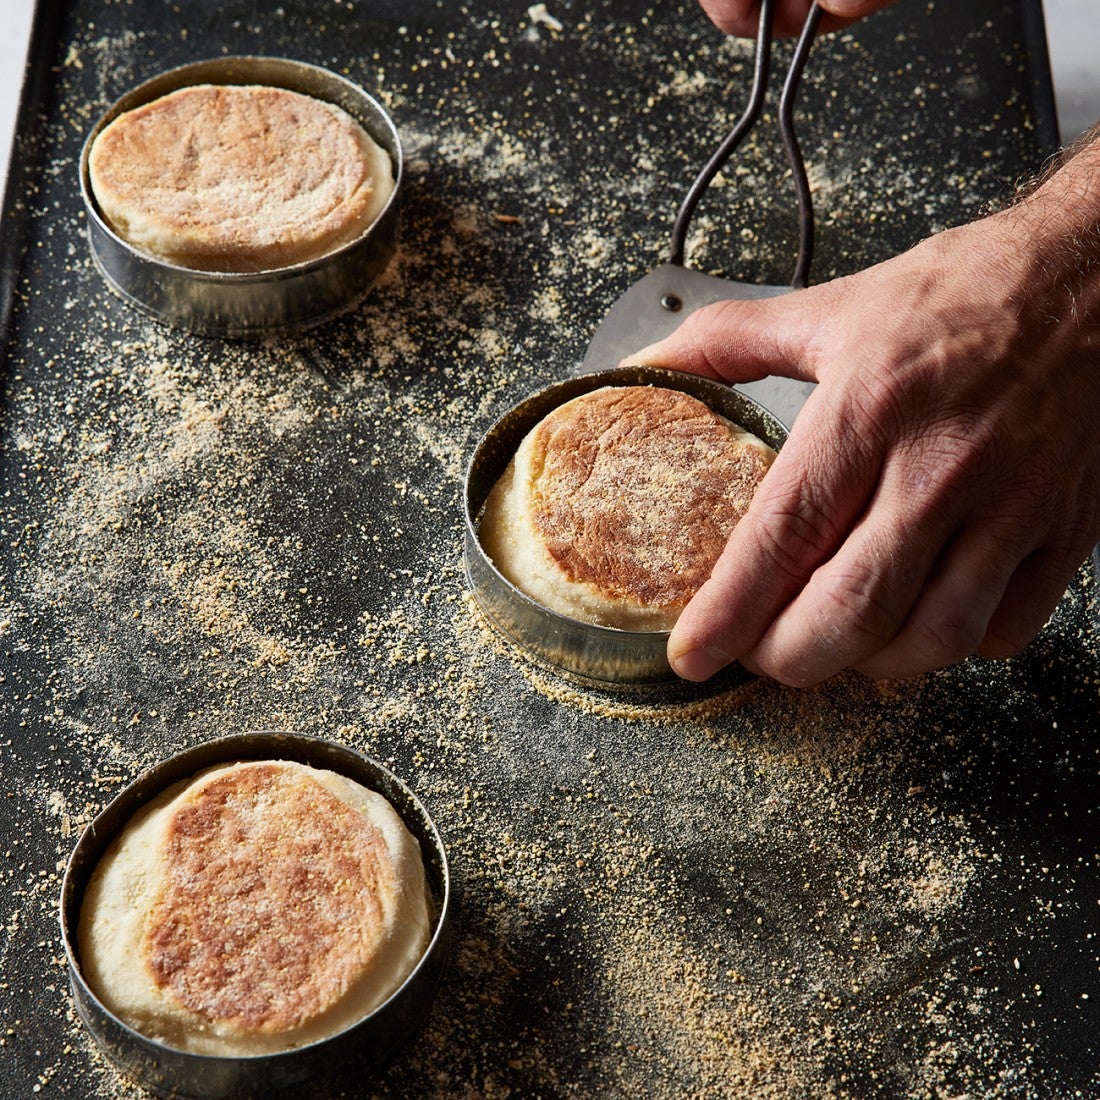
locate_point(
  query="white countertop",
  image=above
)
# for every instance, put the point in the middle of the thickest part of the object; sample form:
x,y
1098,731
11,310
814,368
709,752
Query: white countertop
x,y
13,52
1073,31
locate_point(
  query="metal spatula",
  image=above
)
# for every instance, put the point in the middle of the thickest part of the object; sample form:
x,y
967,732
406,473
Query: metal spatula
x,y
655,305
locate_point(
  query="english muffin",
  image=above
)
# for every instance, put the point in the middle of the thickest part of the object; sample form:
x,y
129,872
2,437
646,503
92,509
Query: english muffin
x,y
618,503
238,178
254,908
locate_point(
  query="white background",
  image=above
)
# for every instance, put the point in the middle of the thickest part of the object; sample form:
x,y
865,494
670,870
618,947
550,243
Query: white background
x,y
1073,30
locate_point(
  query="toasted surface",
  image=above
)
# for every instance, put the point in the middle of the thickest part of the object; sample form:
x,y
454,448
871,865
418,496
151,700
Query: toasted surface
x,y
255,908
238,177
619,502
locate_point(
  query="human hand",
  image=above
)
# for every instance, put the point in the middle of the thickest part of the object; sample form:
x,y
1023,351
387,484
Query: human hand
x,y
740,17
942,483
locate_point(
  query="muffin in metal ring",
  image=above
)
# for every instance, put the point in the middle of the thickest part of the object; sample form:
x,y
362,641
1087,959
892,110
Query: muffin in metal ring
x,y
238,178
257,907
618,503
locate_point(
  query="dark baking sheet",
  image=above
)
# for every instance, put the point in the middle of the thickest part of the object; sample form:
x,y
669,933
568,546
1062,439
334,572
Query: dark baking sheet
x,y
860,890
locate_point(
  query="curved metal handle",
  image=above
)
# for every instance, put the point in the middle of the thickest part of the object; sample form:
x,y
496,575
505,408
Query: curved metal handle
x,y
794,154
745,123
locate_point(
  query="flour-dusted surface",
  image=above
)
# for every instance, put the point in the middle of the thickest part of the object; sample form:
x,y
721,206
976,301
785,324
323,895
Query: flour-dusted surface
x,y
853,891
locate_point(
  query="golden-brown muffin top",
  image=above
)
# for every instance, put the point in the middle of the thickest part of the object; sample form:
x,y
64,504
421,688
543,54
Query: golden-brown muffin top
x,y
238,177
634,490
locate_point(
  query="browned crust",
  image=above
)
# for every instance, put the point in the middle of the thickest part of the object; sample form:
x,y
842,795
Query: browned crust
x,y
270,910
636,489
233,178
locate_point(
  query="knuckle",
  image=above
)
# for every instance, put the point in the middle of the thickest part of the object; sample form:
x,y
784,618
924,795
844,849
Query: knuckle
x,y
716,317
946,638
855,615
865,612
929,640
795,538
703,336
879,405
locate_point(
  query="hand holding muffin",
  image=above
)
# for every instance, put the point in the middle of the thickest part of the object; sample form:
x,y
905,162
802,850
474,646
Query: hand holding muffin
x,y
942,485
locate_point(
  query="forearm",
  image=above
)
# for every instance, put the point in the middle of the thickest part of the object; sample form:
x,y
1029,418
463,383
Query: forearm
x,y
1054,234
1028,276
1086,143
1057,219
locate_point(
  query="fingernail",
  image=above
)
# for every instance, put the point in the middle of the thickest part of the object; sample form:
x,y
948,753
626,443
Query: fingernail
x,y
699,664
847,9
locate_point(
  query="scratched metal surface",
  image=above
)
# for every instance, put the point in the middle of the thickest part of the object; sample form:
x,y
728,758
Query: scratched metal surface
x,y
853,891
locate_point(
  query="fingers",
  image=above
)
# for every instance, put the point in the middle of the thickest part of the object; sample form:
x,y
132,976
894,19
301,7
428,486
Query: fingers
x,y
739,341
891,615
736,17
997,583
952,614
1033,592
855,9
855,603
880,567
740,17
815,490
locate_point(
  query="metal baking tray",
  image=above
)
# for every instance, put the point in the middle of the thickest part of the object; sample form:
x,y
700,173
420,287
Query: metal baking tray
x,y
858,890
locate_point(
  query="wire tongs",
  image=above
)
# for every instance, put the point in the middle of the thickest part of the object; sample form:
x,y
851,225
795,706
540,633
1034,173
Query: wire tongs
x,y
656,304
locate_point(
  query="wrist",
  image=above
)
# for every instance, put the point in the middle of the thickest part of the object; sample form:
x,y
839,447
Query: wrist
x,y
1061,209
1055,230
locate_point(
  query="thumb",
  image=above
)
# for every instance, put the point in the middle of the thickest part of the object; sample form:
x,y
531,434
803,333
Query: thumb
x,y
740,340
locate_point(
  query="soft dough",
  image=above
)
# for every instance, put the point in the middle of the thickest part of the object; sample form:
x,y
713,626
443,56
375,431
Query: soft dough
x,y
238,177
618,503
257,907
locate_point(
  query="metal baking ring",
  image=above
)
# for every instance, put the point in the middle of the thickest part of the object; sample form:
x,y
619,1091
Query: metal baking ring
x,y
600,655
365,1046
242,304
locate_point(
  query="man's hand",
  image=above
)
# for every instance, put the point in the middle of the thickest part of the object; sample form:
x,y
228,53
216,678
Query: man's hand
x,y
740,17
942,484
